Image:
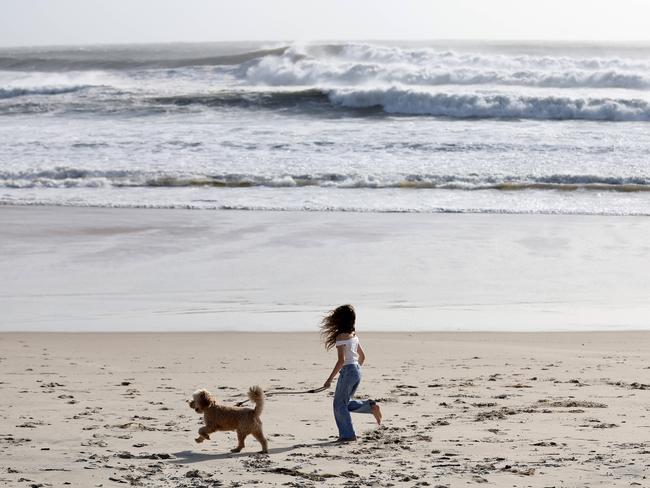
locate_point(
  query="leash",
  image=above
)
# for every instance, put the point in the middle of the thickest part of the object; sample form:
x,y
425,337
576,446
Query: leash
x,y
284,392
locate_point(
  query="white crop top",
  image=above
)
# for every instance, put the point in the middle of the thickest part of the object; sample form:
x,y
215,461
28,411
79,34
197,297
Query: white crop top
x,y
350,350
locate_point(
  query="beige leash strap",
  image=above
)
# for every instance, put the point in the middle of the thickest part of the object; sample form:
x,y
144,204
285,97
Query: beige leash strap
x,y
283,392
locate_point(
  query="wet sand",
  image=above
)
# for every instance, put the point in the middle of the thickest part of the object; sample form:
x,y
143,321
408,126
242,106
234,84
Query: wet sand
x,y
91,269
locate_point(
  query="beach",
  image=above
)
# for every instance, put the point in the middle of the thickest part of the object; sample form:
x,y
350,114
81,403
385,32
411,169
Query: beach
x,y
152,304
500,409
180,211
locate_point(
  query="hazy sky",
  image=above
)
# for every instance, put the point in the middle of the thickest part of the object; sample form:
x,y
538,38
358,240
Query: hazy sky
x,y
37,22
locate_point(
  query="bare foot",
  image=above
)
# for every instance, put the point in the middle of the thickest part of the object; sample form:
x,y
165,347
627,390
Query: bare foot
x,y
376,411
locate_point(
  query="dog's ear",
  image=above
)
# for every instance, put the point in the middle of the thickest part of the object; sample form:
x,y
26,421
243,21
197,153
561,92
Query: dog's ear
x,y
204,399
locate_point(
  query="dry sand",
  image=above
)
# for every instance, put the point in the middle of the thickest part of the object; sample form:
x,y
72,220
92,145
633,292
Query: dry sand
x,y
535,409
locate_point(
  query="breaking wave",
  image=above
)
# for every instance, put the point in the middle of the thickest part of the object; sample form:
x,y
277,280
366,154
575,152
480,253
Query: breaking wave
x,y
397,100
310,73
408,101
324,79
442,57
365,64
72,177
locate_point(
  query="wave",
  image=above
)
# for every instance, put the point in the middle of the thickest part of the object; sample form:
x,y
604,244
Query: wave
x,y
440,57
320,64
409,101
327,80
395,100
12,92
274,72
63,177
84,60
296,68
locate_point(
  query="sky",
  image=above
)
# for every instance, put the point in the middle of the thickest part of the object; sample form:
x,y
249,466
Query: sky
x,y
61,22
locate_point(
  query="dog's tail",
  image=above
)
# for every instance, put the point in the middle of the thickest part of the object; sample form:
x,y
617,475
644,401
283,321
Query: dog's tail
x,y
256,395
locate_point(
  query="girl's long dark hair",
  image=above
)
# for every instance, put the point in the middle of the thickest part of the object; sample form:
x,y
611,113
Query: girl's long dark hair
x,y
338,321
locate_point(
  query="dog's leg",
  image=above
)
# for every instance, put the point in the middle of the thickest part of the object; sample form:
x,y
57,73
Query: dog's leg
x,y
240,441
203,435
259,435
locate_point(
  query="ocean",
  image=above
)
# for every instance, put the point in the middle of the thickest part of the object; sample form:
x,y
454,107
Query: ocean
x,y
468,127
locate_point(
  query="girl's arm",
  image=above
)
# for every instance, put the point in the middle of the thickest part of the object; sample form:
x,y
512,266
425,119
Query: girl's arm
x,y
337,366
362,355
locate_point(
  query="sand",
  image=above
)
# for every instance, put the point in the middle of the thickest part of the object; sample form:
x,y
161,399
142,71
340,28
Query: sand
x,y
501,409
536,409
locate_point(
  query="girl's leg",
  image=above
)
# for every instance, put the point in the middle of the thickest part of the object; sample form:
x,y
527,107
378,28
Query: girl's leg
x,y
345,387
364,406
359,406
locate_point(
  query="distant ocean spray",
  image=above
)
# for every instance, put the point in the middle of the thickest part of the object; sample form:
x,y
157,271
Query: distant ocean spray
x,y
426,127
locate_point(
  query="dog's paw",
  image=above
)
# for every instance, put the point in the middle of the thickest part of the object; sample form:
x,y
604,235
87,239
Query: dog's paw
x,y
199,439
236,449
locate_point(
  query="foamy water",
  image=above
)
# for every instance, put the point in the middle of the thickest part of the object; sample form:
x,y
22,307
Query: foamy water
x,y
507,128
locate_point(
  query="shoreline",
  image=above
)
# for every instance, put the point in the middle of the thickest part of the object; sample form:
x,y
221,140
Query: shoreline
x,y
322,211
441,211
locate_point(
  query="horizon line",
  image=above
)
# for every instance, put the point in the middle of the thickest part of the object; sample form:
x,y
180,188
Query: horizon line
x,y
584,42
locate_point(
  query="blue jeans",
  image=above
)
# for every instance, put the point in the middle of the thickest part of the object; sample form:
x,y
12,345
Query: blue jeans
x,y
346,386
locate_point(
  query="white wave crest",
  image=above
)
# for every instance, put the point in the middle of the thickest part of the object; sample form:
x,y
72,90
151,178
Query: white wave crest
x,y
353,64
446,58
409,101
285,72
